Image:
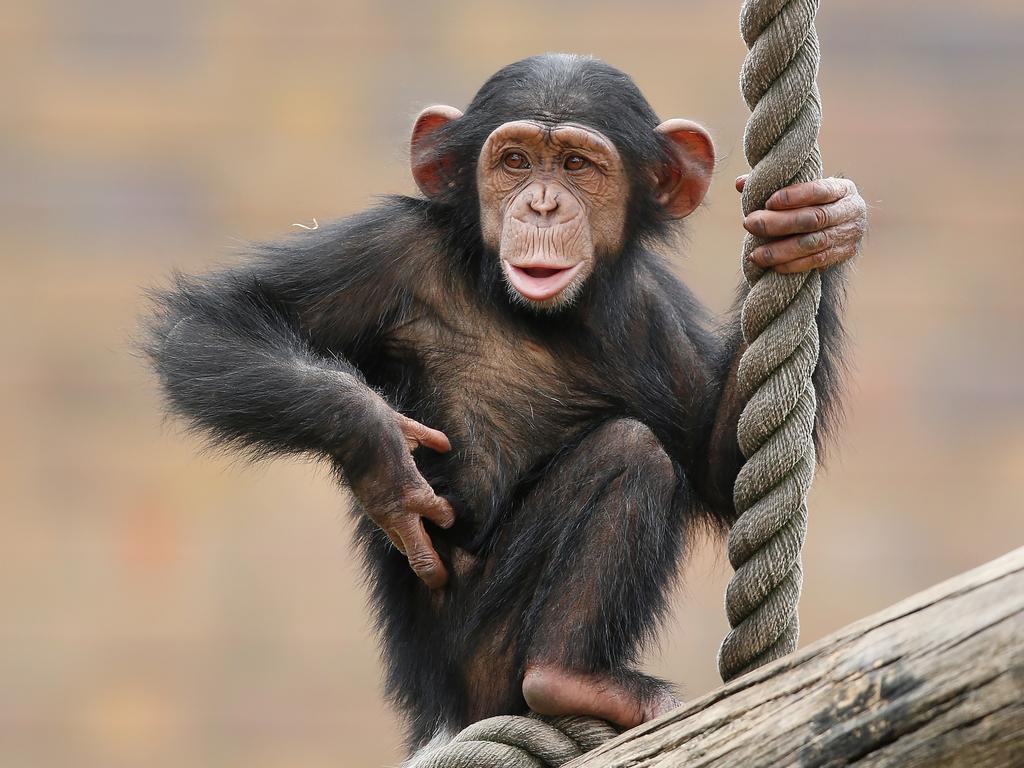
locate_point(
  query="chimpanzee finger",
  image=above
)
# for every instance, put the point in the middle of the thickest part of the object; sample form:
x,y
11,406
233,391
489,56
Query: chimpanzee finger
x,y
802,220
818,260
741,182
777,252
423,558
420,434
393,537
439,510
424,502
396,540
818,192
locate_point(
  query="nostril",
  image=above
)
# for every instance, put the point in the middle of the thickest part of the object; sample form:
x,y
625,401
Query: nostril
x,y
543,200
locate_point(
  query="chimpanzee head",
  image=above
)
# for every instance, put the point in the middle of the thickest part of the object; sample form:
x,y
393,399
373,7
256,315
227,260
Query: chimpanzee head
x,y
562,165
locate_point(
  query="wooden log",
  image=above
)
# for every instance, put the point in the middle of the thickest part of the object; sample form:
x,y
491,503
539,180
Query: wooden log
x,y
937,680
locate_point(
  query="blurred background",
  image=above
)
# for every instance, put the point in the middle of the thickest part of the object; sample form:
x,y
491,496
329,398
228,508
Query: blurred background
x,y
163,608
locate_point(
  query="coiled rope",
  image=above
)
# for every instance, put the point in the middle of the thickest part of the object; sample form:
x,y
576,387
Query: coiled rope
x,y
512,741
775,431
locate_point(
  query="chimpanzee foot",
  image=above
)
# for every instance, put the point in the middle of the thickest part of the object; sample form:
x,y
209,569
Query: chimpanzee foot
x,y
551,690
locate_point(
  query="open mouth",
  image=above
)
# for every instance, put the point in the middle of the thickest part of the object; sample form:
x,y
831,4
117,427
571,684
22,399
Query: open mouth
x,y
539,282
540,272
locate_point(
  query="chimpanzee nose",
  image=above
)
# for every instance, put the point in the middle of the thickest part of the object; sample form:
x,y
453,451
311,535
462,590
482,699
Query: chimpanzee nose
x,y
543,199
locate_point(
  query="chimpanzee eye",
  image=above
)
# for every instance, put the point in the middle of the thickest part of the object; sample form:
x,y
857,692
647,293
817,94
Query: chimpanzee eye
x,y
575,163
516,161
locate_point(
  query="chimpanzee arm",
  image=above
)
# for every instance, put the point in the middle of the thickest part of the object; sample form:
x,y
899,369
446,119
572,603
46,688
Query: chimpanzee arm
x,y
260,357
696,409
811,225
252,355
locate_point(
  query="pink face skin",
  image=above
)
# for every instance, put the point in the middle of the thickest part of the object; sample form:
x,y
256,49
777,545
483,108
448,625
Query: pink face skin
x,y
552,201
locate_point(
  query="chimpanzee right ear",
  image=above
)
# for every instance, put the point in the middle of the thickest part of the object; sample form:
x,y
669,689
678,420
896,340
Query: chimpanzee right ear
x,y
428,169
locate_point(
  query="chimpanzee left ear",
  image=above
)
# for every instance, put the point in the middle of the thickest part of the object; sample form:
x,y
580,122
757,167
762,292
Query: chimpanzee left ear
x,y
427,168
684,182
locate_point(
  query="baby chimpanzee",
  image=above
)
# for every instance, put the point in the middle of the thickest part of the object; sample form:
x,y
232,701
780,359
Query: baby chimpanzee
x,y
530,411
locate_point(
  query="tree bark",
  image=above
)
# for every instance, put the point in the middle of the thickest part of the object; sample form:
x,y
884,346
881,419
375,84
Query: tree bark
x,y
936,680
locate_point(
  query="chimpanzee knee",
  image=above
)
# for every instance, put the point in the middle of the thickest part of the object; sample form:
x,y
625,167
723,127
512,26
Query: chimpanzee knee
x,y
628,443
618,507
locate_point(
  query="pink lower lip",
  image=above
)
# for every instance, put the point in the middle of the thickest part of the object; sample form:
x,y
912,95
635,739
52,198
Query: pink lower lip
x,y
541,288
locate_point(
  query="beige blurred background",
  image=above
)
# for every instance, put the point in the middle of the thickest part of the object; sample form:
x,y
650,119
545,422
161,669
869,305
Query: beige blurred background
x,y
163,608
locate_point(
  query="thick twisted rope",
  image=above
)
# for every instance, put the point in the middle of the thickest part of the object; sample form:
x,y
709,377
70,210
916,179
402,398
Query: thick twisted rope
x,y
512,741
779,326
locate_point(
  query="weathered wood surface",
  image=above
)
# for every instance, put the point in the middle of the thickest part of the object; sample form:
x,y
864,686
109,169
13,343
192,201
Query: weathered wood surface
x,y
937,680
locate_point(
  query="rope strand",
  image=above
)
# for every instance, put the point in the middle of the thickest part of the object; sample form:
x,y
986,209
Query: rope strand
x,y
776,427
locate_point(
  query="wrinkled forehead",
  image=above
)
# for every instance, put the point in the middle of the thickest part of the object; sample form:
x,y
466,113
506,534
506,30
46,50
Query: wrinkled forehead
x,y
553,138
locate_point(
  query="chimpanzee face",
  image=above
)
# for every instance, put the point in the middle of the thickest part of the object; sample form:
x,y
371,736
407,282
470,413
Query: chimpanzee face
x,y
552,201
553,193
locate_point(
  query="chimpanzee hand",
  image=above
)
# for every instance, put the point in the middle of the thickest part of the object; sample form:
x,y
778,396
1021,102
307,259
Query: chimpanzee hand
x,y
810,226
397,498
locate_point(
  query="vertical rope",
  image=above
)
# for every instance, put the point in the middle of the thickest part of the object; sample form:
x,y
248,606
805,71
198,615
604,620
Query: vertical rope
x,y
775,432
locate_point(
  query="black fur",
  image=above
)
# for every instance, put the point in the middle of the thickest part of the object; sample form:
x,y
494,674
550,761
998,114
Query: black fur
x,y
586,444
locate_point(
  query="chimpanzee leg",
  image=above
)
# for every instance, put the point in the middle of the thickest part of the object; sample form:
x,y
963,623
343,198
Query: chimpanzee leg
x,y
613,513
554,611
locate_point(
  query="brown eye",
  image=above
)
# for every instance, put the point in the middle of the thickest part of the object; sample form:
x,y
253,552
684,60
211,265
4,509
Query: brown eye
x,y
575,163
516,161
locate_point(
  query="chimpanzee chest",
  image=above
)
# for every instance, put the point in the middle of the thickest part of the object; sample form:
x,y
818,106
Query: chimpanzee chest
x,y
507,400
